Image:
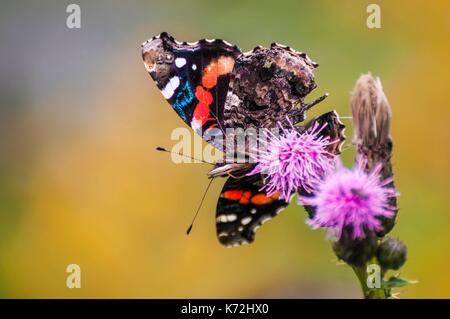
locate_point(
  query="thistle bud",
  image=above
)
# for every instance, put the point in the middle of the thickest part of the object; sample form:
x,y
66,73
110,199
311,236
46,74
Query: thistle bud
x,y
371,113
353,251
392,254
371,119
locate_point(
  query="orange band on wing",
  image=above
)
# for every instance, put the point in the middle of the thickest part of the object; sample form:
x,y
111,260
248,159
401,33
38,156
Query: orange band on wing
x,y
242,196
232,195
209,79
262,199
245,197
223,65
203,95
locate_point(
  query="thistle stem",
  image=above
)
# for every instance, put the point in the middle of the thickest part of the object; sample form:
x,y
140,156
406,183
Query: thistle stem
x,y
369,293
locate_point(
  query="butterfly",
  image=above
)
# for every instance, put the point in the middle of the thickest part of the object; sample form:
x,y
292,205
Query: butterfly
x,y
213,86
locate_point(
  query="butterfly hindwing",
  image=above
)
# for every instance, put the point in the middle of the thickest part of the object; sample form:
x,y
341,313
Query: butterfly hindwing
x,y
193,77
242,208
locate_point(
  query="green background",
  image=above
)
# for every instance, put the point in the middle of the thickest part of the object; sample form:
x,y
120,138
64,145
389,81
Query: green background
x,y
80,181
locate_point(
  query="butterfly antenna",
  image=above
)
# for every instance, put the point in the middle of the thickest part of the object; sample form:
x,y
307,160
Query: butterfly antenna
x,y
162,149
199,206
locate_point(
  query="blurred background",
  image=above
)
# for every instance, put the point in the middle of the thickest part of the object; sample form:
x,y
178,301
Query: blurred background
x,y
80,117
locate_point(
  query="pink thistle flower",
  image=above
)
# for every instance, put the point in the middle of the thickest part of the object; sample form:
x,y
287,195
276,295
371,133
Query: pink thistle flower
x,y
351,198
294,161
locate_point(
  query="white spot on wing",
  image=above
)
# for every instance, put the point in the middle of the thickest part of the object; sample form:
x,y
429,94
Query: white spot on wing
x,y
170,87
180,62
194,67
226,218
221,219
246,220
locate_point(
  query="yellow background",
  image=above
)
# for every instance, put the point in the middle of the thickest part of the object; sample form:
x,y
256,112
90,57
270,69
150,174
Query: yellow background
x,y
80,181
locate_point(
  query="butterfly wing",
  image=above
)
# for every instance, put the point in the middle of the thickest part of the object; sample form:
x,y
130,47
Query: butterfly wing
x,y
193,77
242,208
267,85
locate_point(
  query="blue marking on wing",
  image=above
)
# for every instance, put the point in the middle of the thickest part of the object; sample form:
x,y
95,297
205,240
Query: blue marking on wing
x,y
183,99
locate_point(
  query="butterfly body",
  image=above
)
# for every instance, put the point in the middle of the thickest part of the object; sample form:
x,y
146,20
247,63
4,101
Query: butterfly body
x,y
213,87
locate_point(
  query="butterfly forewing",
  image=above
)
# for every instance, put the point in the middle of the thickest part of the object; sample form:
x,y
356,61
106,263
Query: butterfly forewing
x,y
193,77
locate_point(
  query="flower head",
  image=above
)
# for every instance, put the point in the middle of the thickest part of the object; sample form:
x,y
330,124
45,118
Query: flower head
x,y
351,198
294,160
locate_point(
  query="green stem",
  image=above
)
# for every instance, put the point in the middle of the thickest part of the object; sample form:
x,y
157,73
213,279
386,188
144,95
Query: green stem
x,y
369,293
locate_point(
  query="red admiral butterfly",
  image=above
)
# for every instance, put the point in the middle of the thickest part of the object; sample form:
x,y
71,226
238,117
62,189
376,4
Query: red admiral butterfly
x,y
212,84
